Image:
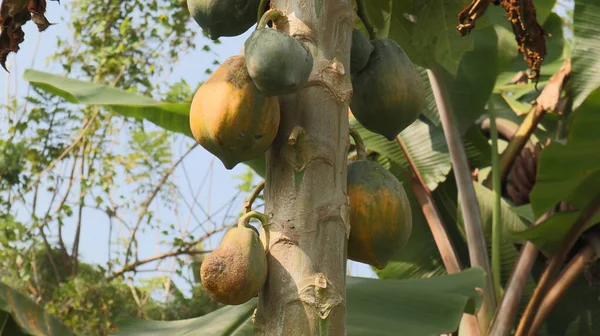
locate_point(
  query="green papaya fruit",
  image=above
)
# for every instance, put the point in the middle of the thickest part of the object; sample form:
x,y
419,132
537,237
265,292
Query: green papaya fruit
x,y
237,269
224,17
360,51
379,213
277,63
388,93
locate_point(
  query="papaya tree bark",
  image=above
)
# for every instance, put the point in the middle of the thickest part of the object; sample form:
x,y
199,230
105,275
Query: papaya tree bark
x,y
305,188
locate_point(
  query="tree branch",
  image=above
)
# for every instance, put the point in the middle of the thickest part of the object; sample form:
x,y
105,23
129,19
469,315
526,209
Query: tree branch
x,y
188,248
63,154
148,201
82,192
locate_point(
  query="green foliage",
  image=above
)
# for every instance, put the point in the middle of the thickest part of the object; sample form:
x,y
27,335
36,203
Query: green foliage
x,y
19,315
62,165
472,67
170,116
586,50
436,306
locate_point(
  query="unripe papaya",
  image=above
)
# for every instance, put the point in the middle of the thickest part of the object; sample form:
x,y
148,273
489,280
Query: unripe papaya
x,y
380,214
360,51
388,92
231,118
277,63
237,269
224,17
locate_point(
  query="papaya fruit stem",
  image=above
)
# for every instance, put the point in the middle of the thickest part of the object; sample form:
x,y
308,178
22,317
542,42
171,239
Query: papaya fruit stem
x,y
364,17
296,133
361,152
245,219
250,200
270,15
261,11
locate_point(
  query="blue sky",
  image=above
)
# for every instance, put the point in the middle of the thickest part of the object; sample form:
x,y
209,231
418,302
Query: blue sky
x,y
197,165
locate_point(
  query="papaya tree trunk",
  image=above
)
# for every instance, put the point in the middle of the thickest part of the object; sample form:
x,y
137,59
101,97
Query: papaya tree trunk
x,y
305,190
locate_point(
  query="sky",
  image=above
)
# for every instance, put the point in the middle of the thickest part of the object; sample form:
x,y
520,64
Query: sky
x,y
222,183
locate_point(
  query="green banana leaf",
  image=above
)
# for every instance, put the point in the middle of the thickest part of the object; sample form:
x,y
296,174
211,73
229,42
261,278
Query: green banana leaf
x,y
19,315
374,307
170,116
586,50
571,172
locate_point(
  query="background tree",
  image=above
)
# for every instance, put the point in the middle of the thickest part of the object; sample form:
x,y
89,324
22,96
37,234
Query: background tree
x,y
65,168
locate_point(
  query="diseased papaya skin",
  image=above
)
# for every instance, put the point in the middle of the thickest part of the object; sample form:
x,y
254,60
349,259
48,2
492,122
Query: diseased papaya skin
x,y
224,17
236,270
360,51
231,118
277,63
388,93
380,214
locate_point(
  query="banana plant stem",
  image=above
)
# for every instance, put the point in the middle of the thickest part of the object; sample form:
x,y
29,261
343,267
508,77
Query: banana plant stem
x,y
552,268
564,281
496,216
442,240
476,242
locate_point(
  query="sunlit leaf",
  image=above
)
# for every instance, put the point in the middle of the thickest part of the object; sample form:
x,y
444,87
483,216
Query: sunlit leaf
x,y
586,50
24,317
374,307
170,116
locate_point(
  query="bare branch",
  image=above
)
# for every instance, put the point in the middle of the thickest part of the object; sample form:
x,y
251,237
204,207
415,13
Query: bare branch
x,y
82,192
148,201
187,249
64,153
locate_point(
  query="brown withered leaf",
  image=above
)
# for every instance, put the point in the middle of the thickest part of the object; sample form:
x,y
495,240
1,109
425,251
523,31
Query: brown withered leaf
x,y
468,16
529,34
522,16
550,96
13,15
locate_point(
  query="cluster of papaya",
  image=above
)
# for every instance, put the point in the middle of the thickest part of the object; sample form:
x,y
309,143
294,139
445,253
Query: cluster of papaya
x,y
235,115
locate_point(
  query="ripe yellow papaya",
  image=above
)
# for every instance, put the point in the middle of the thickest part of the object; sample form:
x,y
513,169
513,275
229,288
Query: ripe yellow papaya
x,y
237,269
231,118
380,214
388,93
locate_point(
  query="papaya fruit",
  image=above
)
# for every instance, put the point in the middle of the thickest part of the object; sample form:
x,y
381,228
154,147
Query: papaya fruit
x,y
360,51
277,63
237,269
379,213
231,118
224,17
388,93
